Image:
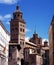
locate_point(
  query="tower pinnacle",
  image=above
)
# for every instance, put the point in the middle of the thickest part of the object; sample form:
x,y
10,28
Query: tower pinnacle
x,y
17,7
35,30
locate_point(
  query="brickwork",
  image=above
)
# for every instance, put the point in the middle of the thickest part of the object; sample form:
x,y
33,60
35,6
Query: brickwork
x,y
17,39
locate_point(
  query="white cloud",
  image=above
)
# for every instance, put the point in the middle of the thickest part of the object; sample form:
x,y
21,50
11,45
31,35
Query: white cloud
x,y
8,22
1,17
9,1
27,38
45,40
7,16
27,30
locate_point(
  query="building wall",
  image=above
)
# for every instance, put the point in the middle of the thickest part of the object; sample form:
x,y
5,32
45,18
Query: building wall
x,y
35,39
32,59
4,42
14,55
51,45
45,56
39,60
29,57
17,32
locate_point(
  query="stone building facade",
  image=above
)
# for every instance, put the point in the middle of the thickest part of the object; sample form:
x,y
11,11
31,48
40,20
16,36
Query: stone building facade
x,y
17,38
33,51
30,53
51,42
20,51
36,40
45,53
4,43
42,57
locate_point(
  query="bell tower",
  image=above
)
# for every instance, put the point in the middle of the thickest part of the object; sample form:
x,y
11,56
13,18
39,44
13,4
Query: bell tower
x,y
17,27
17,38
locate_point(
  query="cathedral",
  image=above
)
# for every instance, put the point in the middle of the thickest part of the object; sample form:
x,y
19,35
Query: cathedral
x,y
22,52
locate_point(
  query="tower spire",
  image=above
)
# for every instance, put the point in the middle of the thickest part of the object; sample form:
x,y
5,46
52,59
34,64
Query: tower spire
x,y
35,30
17,6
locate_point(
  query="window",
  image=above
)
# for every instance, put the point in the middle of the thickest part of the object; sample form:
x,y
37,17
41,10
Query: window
x,y
16,29
23,30
12,29
21,16
20,29
23,26
14,16
10,51
20,24
18,15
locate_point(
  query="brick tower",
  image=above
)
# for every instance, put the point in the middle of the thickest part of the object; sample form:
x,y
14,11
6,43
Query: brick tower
x,y
17,39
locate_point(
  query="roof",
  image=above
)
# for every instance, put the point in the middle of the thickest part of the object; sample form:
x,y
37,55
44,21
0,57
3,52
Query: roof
x,y
18,10
30,43
45,48
4,28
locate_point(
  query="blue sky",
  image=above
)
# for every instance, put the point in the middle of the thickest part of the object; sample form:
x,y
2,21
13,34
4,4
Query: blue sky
x,y
35,13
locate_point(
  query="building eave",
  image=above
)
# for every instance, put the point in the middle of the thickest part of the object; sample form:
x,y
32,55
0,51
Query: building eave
x,y
1,24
